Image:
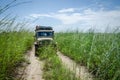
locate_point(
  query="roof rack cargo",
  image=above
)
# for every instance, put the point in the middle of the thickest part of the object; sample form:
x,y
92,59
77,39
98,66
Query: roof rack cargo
x,y
43,28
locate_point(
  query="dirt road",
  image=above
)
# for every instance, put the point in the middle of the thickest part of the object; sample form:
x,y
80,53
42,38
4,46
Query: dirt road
x,y
80,71
32,71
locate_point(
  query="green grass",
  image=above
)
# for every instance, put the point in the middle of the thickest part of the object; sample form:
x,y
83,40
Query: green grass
x,y
53,68
100,52
15,40
13,46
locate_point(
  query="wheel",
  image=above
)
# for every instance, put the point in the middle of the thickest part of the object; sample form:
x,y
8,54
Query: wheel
x,y
36,50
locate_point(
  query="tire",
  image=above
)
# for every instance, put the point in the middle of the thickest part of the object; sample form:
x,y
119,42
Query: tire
x,y
36,50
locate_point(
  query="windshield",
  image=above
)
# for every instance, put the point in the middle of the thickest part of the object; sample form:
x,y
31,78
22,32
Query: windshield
x,y
44,34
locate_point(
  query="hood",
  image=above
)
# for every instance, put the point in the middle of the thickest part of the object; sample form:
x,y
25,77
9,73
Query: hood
x,y
40,39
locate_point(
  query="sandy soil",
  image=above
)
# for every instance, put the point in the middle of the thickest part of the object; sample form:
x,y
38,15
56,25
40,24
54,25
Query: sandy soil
x,y
33,69
80,71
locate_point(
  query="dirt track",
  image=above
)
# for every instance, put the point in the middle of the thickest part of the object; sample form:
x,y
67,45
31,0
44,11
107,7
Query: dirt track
x,y
33,71
80,71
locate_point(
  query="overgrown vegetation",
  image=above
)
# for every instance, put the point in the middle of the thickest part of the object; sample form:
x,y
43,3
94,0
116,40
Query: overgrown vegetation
x,y
14,41
13,45
53,68
100,52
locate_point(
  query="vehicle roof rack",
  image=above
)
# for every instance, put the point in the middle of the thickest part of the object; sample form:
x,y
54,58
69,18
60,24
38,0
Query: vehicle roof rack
x,y
43,28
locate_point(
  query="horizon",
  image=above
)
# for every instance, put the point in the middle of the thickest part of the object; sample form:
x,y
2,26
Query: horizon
x,y
98,15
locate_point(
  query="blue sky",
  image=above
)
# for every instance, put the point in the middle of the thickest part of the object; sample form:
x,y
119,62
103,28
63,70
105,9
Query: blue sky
x,y
67,14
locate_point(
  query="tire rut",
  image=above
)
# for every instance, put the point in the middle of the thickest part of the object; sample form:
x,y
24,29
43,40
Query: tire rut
x,y
33,71
80,71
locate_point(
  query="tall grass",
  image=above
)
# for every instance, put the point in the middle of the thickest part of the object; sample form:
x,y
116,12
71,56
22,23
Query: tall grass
x,y
53,68
100,52
14,41
13,45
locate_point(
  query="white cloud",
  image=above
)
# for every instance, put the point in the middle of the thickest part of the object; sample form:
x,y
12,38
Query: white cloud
x,y
68,19
66,10
97,19
40,15
102,17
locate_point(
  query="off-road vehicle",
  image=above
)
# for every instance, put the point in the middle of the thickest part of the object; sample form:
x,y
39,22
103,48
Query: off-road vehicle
x,y
44,36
